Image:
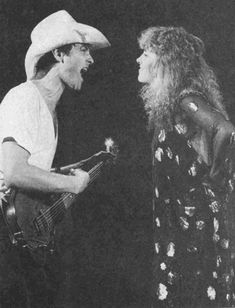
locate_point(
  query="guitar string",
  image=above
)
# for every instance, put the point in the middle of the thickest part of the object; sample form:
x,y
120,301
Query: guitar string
x,y
47,218
56,212
94,175
53,211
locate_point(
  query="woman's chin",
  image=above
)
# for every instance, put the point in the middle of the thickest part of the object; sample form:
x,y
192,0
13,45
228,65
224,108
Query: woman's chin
x,y
141,79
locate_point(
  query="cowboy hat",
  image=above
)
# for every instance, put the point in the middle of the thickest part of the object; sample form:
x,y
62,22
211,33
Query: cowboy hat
x,y
56,30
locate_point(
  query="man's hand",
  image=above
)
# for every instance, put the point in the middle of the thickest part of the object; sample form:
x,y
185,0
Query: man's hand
x,y
80,180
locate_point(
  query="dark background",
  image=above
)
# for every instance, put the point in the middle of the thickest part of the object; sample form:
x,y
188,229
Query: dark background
x,y
105,240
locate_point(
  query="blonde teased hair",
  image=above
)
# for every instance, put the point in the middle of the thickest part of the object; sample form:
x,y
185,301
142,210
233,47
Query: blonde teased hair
x,y
180,58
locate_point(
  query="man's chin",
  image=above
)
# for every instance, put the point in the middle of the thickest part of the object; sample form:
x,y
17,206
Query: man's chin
x,y
78,86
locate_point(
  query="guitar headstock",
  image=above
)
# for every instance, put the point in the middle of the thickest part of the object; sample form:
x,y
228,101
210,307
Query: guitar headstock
x,y
111,147
110,155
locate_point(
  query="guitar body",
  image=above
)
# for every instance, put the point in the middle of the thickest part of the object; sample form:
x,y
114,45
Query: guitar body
x,y
31,217
20,212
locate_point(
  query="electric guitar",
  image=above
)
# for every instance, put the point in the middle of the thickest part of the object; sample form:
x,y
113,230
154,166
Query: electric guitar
x,y
31,217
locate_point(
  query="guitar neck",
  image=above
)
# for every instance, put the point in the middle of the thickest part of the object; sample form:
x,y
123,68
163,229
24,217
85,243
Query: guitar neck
x,y
55,213
69,198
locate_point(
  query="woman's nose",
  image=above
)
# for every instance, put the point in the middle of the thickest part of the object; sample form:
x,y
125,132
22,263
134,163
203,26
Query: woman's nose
x,y
90,58
138,60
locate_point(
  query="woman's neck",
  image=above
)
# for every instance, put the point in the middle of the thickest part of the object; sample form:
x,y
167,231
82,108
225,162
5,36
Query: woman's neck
x,y
51,88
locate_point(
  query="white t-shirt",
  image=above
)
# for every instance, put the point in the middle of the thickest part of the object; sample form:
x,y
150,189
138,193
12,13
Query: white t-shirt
x,y
25,117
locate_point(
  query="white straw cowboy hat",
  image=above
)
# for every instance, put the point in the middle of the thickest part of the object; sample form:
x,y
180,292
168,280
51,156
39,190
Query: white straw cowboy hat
x,y
56,30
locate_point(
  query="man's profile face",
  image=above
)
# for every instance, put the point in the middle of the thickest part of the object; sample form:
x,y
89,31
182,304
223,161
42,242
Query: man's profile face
x,y
74,65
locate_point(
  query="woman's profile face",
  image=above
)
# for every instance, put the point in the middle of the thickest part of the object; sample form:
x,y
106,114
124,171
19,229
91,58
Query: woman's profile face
x,y
147,66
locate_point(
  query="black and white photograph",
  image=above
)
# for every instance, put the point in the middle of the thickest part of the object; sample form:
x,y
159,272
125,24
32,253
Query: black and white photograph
x,y
117,154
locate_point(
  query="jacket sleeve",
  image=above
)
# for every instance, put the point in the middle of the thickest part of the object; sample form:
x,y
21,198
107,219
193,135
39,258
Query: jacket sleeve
x,y
221,132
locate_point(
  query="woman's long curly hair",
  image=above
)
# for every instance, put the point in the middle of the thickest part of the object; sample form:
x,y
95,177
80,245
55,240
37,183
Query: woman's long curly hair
x,y
180,58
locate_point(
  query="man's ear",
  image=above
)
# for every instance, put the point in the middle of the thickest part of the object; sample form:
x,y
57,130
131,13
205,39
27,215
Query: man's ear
x,y
58,54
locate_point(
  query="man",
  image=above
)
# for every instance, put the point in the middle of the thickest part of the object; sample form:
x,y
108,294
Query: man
x,y
58,56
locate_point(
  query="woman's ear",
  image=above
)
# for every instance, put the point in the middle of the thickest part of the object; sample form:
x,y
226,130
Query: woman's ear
x,y
58,55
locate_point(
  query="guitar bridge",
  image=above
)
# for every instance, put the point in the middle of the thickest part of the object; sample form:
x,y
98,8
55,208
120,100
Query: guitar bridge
x,y
17,237
42,223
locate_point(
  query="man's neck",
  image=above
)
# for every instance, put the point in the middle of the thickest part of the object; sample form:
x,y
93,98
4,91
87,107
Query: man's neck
x,y
51,88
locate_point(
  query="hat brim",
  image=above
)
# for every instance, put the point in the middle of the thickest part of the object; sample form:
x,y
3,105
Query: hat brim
x,y
74,33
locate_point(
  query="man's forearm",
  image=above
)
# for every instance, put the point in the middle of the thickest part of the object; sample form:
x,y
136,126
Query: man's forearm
x,y
34,178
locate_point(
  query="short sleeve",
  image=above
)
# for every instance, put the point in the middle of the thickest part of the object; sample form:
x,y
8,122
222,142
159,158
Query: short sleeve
x,y
19,117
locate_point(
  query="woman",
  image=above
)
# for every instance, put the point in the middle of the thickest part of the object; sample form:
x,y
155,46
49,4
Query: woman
x,y
193,172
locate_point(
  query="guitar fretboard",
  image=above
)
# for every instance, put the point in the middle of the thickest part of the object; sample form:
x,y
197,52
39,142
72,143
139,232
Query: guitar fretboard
x,y
48,218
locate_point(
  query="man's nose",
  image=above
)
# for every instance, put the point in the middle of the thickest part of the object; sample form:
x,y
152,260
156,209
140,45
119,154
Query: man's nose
x,y
138,60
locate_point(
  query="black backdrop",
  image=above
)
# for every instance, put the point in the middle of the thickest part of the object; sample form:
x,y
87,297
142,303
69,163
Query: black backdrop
x,y
105,240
